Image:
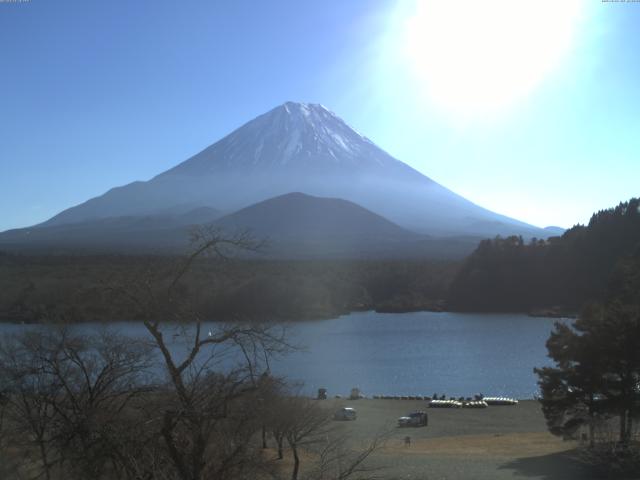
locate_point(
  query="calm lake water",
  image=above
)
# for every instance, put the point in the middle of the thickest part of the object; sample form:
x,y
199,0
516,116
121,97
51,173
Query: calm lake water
x,y
408,354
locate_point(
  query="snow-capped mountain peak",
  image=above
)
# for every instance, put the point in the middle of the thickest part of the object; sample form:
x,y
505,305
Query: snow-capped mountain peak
x,y
300,147
292,135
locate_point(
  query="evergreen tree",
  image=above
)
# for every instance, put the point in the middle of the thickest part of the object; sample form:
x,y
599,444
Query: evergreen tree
x,y
597,360
558,274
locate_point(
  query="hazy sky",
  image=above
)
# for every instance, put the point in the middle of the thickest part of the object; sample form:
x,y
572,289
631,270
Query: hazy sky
x,y
531,108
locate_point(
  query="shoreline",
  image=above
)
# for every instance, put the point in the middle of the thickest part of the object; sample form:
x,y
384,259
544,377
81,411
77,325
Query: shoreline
x,y
546,313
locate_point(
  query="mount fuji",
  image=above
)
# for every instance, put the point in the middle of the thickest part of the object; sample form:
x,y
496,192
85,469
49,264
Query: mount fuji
x,y
295,147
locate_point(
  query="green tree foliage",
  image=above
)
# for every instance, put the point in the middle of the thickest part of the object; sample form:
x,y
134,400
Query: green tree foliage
x,y
95,407
597,372
72,288
508,274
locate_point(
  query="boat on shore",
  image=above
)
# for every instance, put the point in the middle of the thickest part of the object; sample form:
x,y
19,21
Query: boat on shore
x,y
500,401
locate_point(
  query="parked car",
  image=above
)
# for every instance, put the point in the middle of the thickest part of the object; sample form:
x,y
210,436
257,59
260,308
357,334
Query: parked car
x,y
414,419
346,413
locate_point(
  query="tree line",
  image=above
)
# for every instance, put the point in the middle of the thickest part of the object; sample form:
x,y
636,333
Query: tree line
x,y
38,288
557,275
552,276
594,387
78,406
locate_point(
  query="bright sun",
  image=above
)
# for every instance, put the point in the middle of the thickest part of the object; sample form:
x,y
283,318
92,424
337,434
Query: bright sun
x,y
477,56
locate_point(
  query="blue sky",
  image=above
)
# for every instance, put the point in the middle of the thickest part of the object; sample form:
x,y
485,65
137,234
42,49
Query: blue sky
x,y
99,94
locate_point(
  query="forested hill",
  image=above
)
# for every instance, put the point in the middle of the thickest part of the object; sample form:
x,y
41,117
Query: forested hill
x,y
555,275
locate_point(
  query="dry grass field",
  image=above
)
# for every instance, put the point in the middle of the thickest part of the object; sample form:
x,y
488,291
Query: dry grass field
x,y
495,443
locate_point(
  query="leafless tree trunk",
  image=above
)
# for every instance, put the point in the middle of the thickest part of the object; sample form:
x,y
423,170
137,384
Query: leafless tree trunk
x,y
29,400
307,426
206,426
305,423
337,461
279,436
67,393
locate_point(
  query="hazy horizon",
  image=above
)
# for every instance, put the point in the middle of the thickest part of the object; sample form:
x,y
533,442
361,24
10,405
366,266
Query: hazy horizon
x,y
537,126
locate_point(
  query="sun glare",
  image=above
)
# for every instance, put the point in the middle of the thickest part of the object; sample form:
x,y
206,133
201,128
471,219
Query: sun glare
x,y
471,57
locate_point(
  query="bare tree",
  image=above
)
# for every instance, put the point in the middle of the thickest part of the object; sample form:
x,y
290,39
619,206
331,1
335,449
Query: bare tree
x,y
97,407
101,376
66,394
205,423
29,398
306,424
337,461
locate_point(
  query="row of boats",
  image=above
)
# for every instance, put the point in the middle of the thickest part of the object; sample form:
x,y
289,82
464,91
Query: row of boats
x,y
477,402
401,397
481,403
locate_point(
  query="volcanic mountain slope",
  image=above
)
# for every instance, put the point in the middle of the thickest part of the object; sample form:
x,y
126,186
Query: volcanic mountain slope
x,y
167,231
293,225
305,148
299,225
300,216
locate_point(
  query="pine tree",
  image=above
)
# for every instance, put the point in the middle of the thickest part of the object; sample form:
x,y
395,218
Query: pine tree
x,y
597,360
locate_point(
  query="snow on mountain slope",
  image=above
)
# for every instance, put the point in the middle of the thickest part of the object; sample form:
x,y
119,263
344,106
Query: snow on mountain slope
x,y
291,137
299,147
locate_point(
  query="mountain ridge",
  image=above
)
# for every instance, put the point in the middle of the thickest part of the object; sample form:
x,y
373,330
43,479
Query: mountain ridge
x,y
303,215
291,226
307,148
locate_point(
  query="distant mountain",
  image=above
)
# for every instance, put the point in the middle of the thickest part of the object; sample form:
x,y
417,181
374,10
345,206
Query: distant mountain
x,y
554,231
135,234
300,225
299,147
294,225
308,219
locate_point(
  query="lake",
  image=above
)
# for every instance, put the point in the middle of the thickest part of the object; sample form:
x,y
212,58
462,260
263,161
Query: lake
x,y
421,353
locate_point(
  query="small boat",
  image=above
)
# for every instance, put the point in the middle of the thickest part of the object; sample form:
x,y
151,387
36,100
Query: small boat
x,y
500,401
445,404
475,404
